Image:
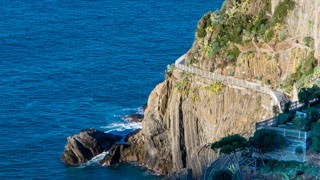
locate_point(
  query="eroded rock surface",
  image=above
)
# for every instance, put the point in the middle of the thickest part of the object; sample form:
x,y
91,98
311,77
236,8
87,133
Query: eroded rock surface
x,y
87,144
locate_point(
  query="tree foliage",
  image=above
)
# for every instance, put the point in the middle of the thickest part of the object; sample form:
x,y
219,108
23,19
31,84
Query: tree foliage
x,y
265,140
282,10
230,144
307,94
222,175
315,134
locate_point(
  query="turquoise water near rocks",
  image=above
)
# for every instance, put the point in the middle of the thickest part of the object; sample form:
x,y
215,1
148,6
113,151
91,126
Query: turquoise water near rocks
x,y
71,65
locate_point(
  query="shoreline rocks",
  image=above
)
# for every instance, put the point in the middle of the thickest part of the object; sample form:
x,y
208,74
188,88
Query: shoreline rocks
x,y
87,144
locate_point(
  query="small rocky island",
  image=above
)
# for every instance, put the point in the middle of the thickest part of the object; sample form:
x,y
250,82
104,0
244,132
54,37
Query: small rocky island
x,y
265,44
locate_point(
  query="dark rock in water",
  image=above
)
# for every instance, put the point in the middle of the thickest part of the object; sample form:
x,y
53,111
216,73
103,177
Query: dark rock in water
x,y
118,152
87,144
134,118
113,156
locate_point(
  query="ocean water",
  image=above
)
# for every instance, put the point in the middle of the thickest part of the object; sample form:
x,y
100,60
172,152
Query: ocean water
x,y
71,65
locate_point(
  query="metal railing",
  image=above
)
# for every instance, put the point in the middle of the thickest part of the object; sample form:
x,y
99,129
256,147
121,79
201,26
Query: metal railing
x,y
294,106
267,123
180,63
290,132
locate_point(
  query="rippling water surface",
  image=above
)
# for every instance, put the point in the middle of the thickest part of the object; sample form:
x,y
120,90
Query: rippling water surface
x,y
70,65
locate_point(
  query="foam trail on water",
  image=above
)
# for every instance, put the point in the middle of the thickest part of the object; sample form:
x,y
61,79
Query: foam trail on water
x,y
95,160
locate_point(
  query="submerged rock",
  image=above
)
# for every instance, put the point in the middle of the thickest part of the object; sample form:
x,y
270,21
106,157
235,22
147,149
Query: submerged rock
x,y
87,144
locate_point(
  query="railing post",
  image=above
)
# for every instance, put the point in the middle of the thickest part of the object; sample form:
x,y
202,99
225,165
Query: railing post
x,y
305,135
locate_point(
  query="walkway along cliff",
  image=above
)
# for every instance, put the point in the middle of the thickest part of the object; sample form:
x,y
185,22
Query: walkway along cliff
x,y
279,99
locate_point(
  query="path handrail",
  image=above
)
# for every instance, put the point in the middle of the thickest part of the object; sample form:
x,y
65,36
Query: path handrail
x,y
290,132
180,63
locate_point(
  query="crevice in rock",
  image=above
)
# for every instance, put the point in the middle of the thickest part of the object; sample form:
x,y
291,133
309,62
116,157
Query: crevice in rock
x,y
182,136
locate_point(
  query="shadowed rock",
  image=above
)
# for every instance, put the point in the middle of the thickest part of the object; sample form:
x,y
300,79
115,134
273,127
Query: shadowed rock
x,y
87,144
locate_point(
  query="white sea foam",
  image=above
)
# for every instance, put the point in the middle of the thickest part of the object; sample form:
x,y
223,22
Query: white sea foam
x,y
94,161
120,127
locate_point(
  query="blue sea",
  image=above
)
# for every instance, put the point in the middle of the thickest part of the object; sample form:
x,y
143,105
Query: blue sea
x,y
71,65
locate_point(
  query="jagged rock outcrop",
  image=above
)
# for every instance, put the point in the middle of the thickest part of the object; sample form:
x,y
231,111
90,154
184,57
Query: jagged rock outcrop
x,y
113,155
87,144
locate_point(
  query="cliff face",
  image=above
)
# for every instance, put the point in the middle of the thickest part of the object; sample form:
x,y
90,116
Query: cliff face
x,y
186,113
180,124
303,21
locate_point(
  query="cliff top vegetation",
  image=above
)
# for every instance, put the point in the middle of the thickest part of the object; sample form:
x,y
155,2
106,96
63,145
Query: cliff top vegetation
x,y
253,40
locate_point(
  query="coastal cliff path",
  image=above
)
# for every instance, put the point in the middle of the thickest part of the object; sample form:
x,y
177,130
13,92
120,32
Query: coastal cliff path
x,y
278,98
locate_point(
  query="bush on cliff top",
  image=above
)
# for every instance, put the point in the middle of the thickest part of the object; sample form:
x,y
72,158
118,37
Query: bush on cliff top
x,y
281,11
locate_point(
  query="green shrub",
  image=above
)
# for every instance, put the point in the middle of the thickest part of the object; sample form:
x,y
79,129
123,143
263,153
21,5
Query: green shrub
x,y
214,49
222,175
267,81
267,5
315,133
309,64
268,35
265,140
302,71
308,41
298,150
231,73
316,144
315,136
285,117
204,22
287,84
299,122
282,10
286,108
232,54
300,83
313,114
215,87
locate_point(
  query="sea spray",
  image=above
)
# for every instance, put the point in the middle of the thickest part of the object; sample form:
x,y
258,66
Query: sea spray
x,y
94,161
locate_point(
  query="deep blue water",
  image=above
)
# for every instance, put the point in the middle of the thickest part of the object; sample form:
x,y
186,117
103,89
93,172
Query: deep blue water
x,y
71,65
